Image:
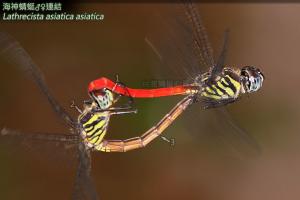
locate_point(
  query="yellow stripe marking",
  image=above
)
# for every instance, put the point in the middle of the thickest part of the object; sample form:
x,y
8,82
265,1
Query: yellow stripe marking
x,y
93,140
99,135
88,129
93,118
236,84
228,89
205,94
208,89
97,126
219,92
220,85
224,88
96,139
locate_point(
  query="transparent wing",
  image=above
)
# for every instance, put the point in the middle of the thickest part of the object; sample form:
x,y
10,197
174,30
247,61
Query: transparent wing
x,y
184,44
171,38
201,44
84,187
64,138
218,68
182,32
205,52
217,130
61,148
53,147
12,52
237,134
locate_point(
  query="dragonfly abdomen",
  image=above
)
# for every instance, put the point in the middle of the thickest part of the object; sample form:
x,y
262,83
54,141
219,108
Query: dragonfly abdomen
x,y
94,127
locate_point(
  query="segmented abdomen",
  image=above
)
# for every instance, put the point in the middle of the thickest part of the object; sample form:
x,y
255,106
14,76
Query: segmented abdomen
x,y
226,87
94,127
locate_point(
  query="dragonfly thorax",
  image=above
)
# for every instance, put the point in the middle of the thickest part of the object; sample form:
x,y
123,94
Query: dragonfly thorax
x,y
93,125
95,118
220,90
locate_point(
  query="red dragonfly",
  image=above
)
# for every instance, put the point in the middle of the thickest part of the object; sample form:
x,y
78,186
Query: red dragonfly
x,y
79,143
216,87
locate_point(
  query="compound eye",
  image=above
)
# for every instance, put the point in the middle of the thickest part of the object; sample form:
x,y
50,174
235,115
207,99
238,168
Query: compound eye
x,y
260,73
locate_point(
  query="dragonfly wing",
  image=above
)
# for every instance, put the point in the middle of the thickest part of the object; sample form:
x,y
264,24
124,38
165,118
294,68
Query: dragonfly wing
x,y
179,40
218,68
239,138
171,38
182,43
66,138
204,51
12,52
216,130
201,44
84,187
54,147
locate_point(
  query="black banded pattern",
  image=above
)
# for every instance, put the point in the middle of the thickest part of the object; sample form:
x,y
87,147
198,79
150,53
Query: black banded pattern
x,y
94,127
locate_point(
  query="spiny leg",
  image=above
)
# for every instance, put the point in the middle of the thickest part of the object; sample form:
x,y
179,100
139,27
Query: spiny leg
x,y
73,105
117,111
118,82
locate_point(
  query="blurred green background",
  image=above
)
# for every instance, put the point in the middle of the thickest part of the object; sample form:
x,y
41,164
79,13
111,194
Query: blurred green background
x,y
71,54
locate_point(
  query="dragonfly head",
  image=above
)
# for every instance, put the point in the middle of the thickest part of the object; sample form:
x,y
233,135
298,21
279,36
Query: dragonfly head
x,y
104,98
252,78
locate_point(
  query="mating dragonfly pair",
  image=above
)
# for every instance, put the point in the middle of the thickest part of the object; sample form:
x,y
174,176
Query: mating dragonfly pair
x,y
216,87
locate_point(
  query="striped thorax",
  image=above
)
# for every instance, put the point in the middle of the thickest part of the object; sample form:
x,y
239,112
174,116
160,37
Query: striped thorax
x,y
94,119
225,86
93,125
229,85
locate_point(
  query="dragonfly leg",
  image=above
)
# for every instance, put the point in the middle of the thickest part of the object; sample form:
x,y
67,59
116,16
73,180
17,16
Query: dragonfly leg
x,y
118,82
73,105
88,102
148,136
117,98
118,111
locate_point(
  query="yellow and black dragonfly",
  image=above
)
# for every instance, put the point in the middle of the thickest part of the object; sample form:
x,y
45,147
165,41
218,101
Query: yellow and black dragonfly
x,y
14,54
89,130
180,42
